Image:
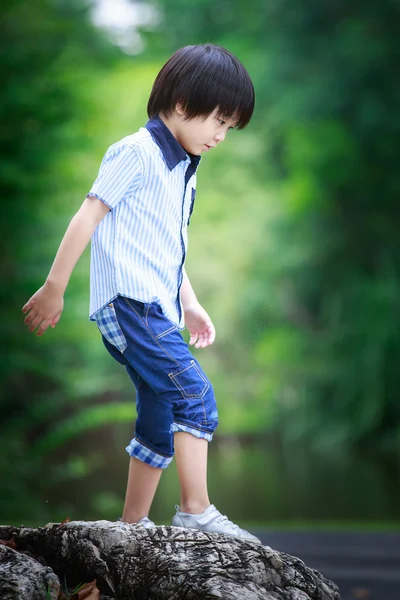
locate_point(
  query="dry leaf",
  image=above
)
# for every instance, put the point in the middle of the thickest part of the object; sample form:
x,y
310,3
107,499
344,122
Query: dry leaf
x,y
67,520
89,591
9,543
360,592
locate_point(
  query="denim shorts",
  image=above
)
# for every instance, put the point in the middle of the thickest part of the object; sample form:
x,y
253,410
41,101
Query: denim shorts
x,y
173,393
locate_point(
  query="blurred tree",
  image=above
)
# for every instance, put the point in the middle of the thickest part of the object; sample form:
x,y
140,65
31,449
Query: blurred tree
x,y
322,304
49,52
295,249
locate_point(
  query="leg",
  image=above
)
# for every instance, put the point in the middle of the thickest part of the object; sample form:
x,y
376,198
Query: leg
x,y
173,396
143,478
146,465
142,484
195,510
191,462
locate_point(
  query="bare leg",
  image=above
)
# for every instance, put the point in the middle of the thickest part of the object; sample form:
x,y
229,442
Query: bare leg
x,y
191,462
142,484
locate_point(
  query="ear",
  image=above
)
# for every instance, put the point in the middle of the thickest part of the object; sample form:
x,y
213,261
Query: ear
x,y
179,109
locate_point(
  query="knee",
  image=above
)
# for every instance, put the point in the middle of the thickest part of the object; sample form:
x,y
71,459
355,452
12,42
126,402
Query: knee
x,y
199,416
210,423
210,410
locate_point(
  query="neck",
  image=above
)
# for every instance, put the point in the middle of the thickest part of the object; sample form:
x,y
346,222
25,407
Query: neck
x,y
169,122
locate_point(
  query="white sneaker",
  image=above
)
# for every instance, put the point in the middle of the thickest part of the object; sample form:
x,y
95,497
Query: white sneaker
x,y
213,521
145,521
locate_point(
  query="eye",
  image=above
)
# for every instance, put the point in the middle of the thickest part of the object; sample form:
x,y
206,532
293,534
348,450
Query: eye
x,y
221,121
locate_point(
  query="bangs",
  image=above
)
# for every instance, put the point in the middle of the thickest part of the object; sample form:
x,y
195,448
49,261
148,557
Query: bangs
x,y
202,79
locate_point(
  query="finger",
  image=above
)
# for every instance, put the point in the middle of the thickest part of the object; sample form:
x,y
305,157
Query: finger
x,y
211,337
54,321
193,339
30,316
43,326
207,338
207,341
27,307
202,341
36,321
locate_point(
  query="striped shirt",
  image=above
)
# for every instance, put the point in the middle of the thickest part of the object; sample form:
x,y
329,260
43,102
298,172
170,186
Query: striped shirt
x,y
138,250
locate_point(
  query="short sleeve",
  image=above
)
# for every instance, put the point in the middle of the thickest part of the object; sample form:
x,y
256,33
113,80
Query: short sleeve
x,y
120,173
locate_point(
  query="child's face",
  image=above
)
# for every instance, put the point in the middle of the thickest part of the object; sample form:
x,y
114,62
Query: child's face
x,y
200,134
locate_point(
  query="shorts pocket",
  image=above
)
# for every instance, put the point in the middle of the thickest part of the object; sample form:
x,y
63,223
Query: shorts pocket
x,y
190,381
108,324
157,322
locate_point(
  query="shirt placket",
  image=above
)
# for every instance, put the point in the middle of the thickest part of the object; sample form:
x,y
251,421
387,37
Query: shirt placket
x,y
189,170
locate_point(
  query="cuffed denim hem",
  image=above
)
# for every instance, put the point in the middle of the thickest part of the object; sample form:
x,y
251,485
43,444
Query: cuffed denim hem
x,y
196,432
137,450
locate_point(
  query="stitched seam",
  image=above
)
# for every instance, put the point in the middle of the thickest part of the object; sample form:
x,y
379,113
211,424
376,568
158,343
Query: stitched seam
x,y
134,310
160,335
192,426
183,370
150,332
147,316
208,422
186,394
204,409
204,391
137,152
101,199
151,449
193,365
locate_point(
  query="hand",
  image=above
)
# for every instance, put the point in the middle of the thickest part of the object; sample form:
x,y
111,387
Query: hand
x,y
200,327
44,309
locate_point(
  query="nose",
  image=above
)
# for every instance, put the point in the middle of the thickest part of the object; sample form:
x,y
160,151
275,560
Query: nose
x,y
220,136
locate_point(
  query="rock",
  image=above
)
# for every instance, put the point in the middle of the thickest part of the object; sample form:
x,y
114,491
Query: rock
x,y
164,563
23,577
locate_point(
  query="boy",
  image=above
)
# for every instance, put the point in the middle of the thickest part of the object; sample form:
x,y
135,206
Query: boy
x,y
136,215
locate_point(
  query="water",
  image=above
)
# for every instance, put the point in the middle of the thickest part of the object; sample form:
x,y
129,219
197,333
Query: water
x,y
261,483
256,483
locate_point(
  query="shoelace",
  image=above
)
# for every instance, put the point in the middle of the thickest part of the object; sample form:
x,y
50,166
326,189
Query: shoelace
x,y
225,521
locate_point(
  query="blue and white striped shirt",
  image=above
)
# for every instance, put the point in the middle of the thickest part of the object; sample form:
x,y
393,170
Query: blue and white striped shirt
x,y
139,248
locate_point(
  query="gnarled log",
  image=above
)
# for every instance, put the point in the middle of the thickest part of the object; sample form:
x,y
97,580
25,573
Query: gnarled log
x,y
23,577
130,562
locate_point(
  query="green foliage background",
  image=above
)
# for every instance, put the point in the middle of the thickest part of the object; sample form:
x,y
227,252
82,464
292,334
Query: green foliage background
x,y
294,246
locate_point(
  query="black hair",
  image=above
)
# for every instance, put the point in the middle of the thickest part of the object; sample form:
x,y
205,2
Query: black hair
x,y
202,78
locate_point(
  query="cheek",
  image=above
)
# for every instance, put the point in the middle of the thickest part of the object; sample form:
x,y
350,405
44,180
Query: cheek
x,y
209,133
199,133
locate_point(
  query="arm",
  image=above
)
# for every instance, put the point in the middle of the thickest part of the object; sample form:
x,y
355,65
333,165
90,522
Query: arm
x,y
198,322
188,296
46,305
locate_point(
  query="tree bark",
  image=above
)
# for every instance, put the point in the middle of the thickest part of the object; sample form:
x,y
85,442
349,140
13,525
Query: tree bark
x,y
130,562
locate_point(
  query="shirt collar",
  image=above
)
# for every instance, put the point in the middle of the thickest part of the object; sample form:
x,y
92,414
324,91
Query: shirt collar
x,y
168,144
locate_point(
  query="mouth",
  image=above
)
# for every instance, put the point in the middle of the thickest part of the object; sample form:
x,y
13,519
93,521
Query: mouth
x,y
208,147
